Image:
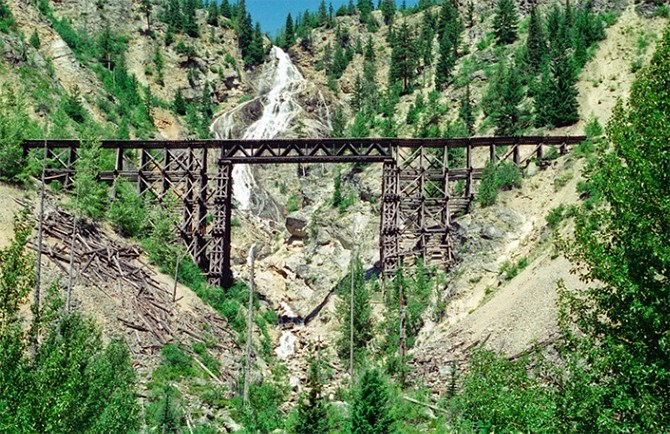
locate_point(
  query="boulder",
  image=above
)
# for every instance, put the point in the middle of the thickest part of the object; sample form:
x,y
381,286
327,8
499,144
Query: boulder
x,y
296,224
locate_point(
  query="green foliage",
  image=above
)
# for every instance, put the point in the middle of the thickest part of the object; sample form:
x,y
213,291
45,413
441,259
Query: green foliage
x,y
175,364
16,278
415,291
593,129
503,99
164,412
505,22
509,270
73,107
467,111
127,212
503,176
34,40
624,244
362,313
7,22
91,198
74,383
15,126
536,46
556,98
312,409
501,396
370,409
403,58
449,32
293,203
263,413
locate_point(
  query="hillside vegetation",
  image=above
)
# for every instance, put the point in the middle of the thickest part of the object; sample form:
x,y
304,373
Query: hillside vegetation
x,y
418,348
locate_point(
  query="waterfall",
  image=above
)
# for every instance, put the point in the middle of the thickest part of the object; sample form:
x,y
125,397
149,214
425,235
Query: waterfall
x,y
279,84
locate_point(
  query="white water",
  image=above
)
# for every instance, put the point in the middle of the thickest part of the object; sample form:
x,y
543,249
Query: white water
x,y
280,107
279,85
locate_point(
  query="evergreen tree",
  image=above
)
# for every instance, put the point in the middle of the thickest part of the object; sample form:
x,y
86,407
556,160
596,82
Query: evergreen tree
x,y
256,52
403,59
507,115
362,322
322,14
536,47
365,8
556,99
449,32
225,9
146,8
505,22
559,40
179,104
370,409
244,29
35,40
360,126
173,16
338,123
73,107
312,413
91,194
213,13
289,33
388,11
427,36
189,23
369,50
466,112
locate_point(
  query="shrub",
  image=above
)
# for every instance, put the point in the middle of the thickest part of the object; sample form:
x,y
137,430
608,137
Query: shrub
x,y
127,212
504,176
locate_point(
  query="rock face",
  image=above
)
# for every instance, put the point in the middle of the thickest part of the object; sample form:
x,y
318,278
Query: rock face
x,y
296,224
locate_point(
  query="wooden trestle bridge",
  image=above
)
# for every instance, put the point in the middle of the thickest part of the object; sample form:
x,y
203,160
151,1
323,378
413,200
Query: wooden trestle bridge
x,y
425,182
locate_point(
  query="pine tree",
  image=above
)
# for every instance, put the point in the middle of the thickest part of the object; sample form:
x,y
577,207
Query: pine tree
x,y
365,8
370,409
213,13
507,116
173,16
427,37
225,9
312,413
244,29
179,104
388,11
35,40
146,8
536,47
403,59
256,51
363,326
92,198
449,32
505,22
338,123
556,101
190,24
466,112
289,33
369,50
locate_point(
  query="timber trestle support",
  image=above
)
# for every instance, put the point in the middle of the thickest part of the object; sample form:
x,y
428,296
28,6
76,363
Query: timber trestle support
x,y
425,184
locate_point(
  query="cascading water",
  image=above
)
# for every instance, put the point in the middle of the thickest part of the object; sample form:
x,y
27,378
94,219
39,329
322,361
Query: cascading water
x,y
279,85
279,88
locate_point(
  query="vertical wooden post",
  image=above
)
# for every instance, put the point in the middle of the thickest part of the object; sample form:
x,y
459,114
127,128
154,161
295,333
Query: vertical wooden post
x,y
492,153
38,264
516,154
250,325
468,181
141,179
167,160
351,321
403,336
